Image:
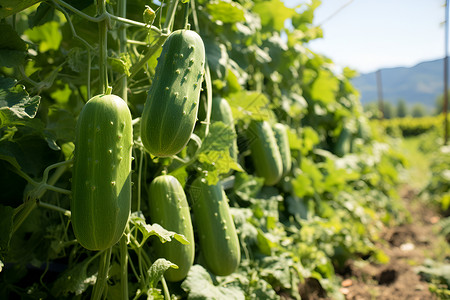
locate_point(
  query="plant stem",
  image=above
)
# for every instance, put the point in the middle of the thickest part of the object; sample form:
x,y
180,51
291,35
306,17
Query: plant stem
x,y
124,266
150,52
165,288
123,83
102,274
100,18
170,16
103,46
186,15
54,207
139,184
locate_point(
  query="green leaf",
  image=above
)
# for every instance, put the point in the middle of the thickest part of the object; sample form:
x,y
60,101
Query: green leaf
x,y
157,270
43,14
199,286
273,13
61,123
15,103
325,87
250,104
247,186
138,220
121,65
215,152
226,11
219,138
12,47
6,222
48,36
76,279
10,7
216,163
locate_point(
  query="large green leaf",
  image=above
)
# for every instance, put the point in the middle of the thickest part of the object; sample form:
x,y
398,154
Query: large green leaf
x,y
12,47
273,13
48,36
225,11
199,286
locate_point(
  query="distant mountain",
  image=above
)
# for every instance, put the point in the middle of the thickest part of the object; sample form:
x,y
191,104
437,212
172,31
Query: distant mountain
x,y
422,83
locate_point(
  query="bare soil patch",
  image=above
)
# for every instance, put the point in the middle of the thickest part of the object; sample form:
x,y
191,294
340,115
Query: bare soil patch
x,y
407,246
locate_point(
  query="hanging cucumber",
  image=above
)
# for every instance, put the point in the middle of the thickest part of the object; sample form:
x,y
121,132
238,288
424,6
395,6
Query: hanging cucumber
x,y
170,111
101,183
221,111
168,207
218,239
264,152
282,139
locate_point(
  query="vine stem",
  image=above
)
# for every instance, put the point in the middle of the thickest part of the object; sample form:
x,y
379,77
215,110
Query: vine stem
x,y
103,46
102,275
170,16
124,266
122,12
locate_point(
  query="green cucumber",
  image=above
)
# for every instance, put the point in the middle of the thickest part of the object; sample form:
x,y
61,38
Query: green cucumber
x,y
101,182
343,144
264,152
221,112
219,243
281,136
168,207
171,108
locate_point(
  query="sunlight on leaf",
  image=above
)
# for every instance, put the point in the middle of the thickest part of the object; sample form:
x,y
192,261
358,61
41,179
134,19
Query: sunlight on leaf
x,y
48,36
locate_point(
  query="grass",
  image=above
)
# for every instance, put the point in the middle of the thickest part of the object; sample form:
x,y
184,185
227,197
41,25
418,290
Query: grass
x,y
418,172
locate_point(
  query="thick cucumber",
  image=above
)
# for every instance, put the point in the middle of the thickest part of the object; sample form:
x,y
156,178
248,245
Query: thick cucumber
x,y
264,152
221,112
217,235
168,207
101,183
281,136
170,111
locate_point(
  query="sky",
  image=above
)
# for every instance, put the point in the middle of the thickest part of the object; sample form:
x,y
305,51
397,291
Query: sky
x,y
367,35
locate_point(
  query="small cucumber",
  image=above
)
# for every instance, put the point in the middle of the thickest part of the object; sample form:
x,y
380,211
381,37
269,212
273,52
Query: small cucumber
x,y
101,182
264,152
217,235
169,208
171,108
281,136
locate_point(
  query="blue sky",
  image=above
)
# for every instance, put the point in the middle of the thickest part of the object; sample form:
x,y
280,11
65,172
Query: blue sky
x,y
370,34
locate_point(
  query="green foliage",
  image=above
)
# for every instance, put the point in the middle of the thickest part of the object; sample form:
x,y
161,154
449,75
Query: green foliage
x,y
326,210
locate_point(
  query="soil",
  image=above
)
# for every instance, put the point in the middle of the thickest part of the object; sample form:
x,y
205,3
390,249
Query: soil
x,y
407,246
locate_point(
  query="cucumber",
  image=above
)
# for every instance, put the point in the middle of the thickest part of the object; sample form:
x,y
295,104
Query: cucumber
x,y
171,108
282,139
219,243
343,144
101,182
221,112
264,152
168,207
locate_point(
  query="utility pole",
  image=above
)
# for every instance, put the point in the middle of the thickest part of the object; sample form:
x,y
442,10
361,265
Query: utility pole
x,y
445,108
380,94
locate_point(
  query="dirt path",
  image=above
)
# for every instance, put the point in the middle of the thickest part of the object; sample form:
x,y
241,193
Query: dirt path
x,y
407,247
